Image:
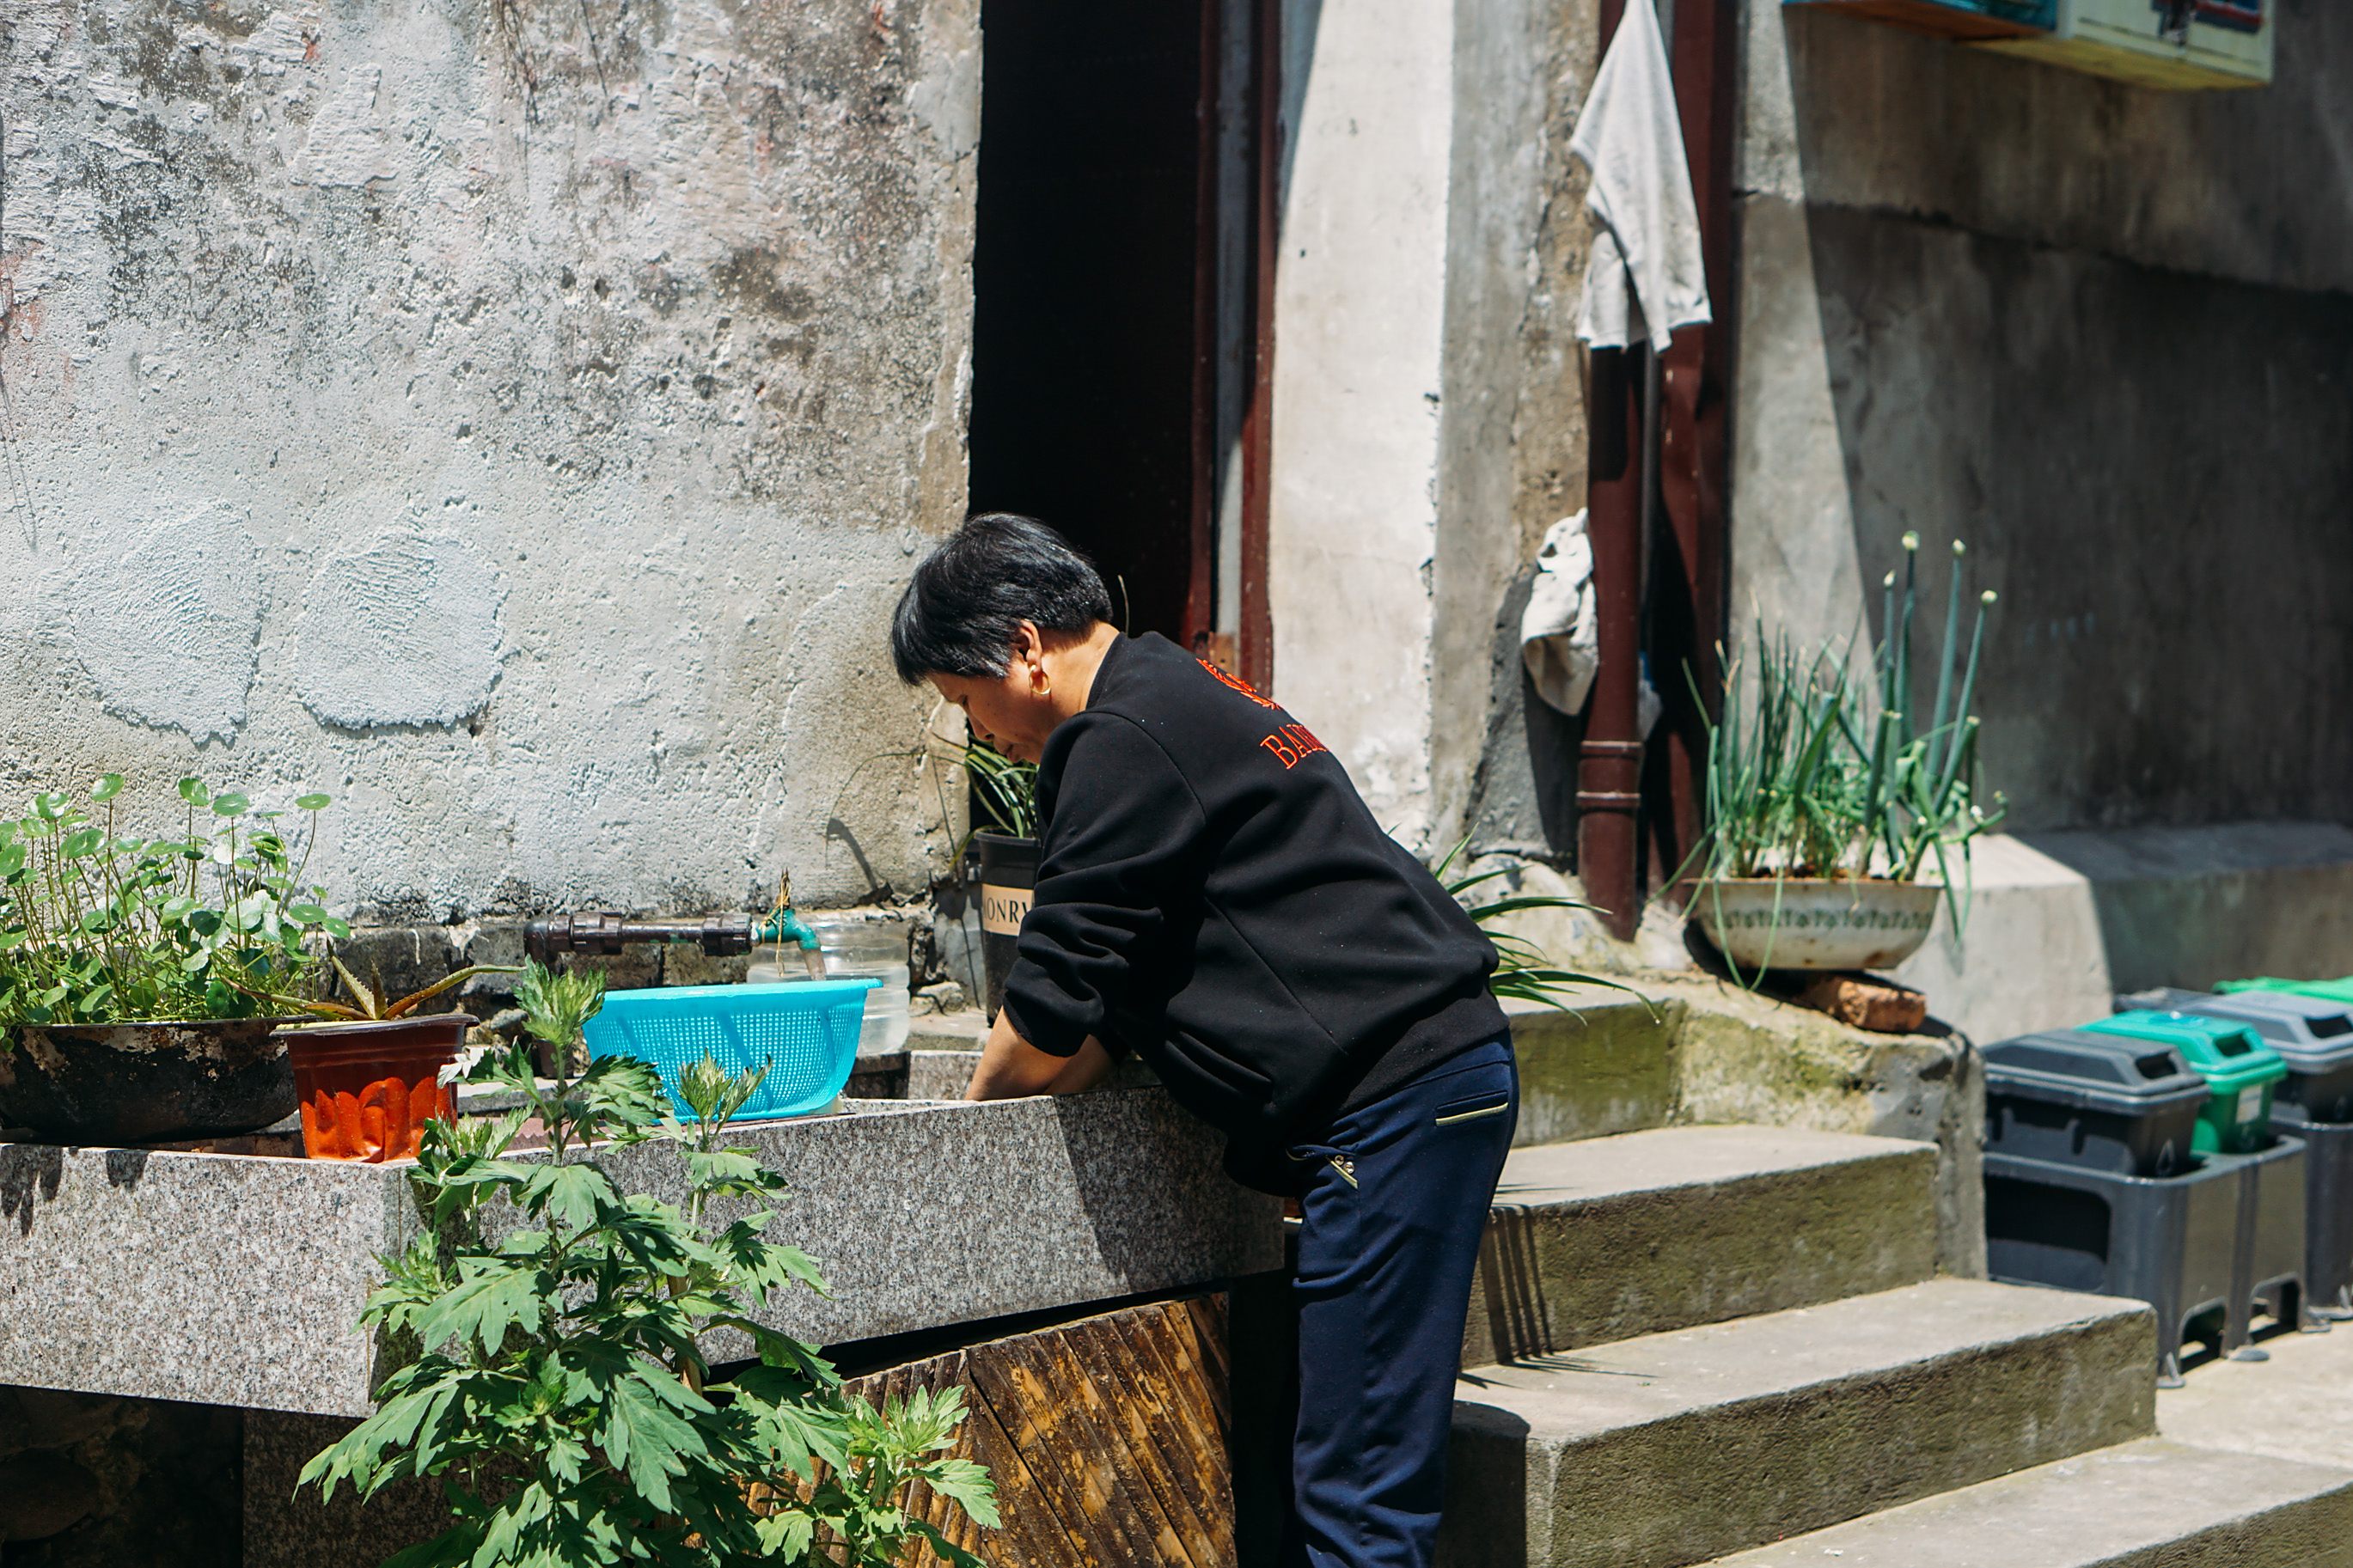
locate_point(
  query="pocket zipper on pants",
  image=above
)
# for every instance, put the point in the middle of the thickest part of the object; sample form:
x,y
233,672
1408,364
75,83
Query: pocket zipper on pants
x,y
1346,1167
1496,1110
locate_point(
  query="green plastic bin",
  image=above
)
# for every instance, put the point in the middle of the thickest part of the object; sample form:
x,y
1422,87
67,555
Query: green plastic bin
x,y
2240,1070
2337,990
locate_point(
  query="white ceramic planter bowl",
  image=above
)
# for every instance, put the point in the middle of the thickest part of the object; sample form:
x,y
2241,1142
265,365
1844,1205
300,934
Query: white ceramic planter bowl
x,y
1815,923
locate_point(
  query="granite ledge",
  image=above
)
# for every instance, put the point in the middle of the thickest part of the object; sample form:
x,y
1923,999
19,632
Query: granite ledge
x,y
238,1281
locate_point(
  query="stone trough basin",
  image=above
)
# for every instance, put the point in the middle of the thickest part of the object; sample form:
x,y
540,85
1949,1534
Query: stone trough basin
x,y
231,1279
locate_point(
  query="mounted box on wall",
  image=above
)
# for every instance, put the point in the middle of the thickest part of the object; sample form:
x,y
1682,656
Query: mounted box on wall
x,y
1968,21
2158,43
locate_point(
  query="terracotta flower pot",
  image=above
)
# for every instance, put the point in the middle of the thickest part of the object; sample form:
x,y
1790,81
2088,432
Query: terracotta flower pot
x,y
145,1083
367,1089
1816,922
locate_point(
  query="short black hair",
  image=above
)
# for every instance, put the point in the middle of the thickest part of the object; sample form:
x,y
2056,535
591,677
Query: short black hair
x,y
968,600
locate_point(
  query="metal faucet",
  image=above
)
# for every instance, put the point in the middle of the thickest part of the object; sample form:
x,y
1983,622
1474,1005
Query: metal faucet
x,y
600,933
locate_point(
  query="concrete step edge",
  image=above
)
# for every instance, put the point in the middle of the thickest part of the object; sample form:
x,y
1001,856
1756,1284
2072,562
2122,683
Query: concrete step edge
x,y
1611,1239
1673,1448
2152,1503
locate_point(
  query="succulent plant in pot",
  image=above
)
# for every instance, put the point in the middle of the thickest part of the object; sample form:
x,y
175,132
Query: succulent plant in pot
x,y
1837,820
139,972
371,1069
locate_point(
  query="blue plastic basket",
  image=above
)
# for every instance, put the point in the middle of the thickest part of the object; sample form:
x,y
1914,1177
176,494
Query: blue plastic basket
x,y
804,1031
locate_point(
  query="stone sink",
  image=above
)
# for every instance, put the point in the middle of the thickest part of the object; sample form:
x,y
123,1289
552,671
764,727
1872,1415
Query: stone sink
x,y
237,1279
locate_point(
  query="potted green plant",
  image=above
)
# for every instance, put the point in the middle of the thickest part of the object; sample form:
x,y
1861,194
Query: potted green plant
x,y
371,1076
559,1391
1005,843
1836,819
139,975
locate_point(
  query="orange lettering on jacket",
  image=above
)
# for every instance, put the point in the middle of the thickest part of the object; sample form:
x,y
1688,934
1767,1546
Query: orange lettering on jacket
x,y
1292,744
1236,682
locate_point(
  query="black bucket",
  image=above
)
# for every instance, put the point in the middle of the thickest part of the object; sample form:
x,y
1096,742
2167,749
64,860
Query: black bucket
x,y
1008,875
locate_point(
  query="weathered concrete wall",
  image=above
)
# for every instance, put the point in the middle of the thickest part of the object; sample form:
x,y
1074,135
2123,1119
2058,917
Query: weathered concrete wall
x,y
512,417
1360,299
1428,421
2100,333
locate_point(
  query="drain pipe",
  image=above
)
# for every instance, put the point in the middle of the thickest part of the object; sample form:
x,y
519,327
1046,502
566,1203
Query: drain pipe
x,y
1610,760
1631,476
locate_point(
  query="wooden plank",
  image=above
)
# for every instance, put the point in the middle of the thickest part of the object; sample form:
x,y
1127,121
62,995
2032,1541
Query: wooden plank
x,y
1184,1367
1107,1438
1121,1404
1024,1406
1084,1421
1155,1431
1207,1318
1193,1427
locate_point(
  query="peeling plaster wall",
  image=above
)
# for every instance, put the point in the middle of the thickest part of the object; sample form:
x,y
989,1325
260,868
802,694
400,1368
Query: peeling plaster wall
x,y
514,417
1428,422
1359,301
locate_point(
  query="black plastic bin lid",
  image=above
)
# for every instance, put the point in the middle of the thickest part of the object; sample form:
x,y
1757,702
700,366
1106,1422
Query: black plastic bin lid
x,y
2074,1066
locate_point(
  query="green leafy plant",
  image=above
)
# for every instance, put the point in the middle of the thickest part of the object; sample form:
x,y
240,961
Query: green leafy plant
x,y
1522,969
1004,792
99,925
560,1393
1816,772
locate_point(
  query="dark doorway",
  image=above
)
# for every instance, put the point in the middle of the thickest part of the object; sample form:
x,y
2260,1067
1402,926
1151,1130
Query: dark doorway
x,y
1097,402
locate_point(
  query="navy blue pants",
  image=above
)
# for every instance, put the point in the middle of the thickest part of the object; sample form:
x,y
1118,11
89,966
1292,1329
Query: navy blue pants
x,y
1395,1205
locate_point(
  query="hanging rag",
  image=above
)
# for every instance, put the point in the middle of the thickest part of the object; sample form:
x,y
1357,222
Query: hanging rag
x,y
1646,273
1560,631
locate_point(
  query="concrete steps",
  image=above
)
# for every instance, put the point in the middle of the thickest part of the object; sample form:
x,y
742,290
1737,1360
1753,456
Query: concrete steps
x,y
1606,1065
2149,1504
1643,1232
1672,1448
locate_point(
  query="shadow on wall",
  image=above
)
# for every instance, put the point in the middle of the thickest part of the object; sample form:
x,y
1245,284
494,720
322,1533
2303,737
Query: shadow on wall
x,y
2097,336
1524,798
1301,21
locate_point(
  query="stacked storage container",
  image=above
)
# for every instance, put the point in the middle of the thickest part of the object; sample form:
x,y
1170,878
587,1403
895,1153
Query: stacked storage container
x,y
2136,1157
2313,1034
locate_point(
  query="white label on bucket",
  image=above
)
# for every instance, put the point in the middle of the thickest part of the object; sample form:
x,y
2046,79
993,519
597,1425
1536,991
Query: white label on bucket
x,y
1001,910
2250,1103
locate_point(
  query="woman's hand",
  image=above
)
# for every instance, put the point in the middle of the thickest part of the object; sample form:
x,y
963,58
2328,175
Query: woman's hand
x,y
1010,1066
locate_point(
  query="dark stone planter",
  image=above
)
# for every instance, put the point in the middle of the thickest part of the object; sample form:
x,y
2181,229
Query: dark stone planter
x,y
146,1083
1008,875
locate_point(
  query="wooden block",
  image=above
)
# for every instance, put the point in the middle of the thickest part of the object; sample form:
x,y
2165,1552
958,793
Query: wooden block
x,y
1865,1001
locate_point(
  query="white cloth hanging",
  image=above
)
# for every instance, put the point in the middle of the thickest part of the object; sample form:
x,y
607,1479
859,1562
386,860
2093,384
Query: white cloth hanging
x,y
1646,273
1560,631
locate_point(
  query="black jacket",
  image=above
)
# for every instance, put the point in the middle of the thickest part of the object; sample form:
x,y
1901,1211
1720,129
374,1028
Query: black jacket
x,y
1213,894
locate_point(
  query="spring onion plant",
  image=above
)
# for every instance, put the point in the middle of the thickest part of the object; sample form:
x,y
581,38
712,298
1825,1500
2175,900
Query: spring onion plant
x,y
1816,770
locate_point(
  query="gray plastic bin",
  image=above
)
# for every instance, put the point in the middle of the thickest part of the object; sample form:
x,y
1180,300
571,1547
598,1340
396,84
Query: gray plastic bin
x,y
2311,1035
2205,1248
2327,1211
2104,1102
